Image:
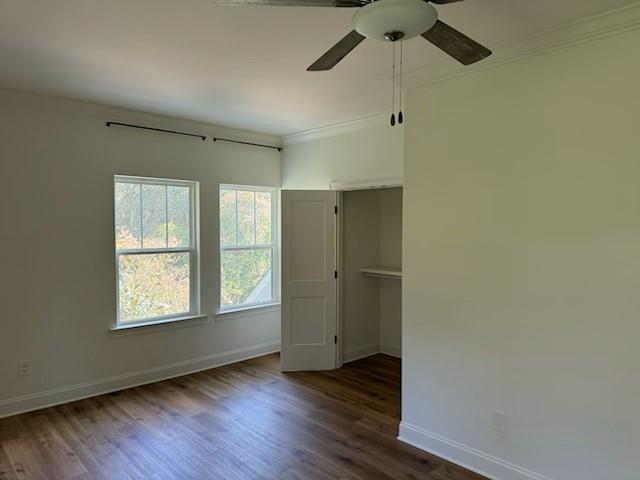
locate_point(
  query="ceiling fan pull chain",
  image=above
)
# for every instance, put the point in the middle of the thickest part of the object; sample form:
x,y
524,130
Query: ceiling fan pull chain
x,y
393,87
401,115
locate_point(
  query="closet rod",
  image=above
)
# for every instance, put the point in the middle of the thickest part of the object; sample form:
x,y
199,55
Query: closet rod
x,y
157,130
215,139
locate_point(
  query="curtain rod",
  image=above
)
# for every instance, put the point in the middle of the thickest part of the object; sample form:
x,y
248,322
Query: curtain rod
x,y
175,132
157,130
215,139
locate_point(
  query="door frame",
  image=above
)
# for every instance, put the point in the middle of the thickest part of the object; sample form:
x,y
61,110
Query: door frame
x,y
341,187
339,282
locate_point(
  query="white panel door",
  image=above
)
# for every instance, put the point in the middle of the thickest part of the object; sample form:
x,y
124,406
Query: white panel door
x,y
309,286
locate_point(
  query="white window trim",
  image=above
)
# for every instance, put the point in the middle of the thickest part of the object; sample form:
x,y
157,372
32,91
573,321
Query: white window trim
x,y
193,249
131,326
274,247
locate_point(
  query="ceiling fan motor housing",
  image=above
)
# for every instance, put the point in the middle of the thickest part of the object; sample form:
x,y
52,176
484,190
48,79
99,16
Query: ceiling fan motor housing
x,y
390,20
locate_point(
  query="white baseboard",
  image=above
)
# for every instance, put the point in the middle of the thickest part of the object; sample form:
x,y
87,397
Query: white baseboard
x,y
365,351
362,351
392,350
57,396
464,456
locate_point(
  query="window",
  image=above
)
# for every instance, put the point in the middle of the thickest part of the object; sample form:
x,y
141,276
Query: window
x,y
156,249
248,247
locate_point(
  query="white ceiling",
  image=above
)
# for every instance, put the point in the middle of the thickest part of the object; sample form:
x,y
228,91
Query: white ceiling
x,y
243,67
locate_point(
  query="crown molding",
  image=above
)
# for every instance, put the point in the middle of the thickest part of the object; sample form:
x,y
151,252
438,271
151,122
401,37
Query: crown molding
x,y
336,129
589,29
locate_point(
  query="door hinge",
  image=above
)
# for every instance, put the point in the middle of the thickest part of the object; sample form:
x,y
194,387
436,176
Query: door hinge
x,y
335,274
336,209
335,339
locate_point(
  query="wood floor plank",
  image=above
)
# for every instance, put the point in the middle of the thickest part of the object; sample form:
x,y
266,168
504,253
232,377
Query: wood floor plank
x,y
88,446
6,470
246,421
26,461
60,457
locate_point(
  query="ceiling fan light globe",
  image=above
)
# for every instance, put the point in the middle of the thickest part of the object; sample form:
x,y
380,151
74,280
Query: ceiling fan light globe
x,y
411,17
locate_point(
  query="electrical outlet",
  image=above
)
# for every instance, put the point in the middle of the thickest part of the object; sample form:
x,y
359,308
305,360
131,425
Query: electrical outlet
x,y
24,368
499,421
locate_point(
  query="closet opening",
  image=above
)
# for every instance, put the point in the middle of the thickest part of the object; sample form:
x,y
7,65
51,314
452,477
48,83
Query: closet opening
x,y
370,261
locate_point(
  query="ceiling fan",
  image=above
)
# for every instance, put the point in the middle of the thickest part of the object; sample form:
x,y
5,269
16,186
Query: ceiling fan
x,y
387,20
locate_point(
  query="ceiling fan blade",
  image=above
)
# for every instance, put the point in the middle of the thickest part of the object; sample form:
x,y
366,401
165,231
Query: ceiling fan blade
x,y
337,52
456,44
290,3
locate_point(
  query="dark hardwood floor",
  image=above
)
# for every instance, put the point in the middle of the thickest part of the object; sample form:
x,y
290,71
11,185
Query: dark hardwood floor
x,y
239,422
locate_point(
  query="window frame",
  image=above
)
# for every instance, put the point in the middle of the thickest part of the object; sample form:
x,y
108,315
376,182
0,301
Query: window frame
x,y
274,246
193,249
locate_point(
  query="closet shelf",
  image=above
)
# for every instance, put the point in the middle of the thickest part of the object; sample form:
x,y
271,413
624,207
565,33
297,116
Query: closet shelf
x,y
382,272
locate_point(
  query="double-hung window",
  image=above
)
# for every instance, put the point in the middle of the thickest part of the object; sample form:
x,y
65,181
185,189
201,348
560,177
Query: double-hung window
x,y
156,249
248,247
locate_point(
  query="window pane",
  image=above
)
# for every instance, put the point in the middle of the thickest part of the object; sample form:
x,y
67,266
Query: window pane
x,y
246,277
227,217
263,217
154,226
245,218
127,215
154,285
179,223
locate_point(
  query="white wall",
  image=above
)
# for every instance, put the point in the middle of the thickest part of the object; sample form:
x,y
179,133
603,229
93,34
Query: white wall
x,y
522,265
57,161
371,153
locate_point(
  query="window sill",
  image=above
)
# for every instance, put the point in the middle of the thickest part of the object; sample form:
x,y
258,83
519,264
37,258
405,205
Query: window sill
x,y
253,310
156,323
